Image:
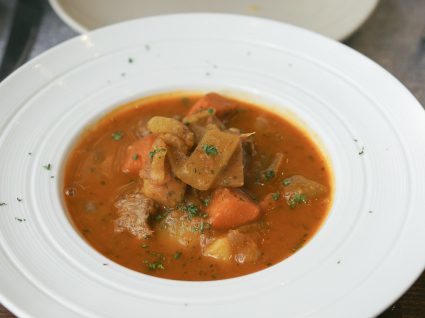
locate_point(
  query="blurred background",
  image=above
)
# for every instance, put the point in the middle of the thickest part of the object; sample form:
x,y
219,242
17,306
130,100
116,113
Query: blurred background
x,y
390,32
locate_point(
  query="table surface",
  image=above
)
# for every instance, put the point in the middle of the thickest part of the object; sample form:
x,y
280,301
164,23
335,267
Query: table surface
x,y
393,36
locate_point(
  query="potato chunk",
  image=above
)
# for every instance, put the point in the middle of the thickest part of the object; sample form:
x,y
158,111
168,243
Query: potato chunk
x,y
159,124
180,228
208,159
220,249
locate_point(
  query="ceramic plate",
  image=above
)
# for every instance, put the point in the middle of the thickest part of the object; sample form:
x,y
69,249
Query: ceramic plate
x,y
334,18
367,253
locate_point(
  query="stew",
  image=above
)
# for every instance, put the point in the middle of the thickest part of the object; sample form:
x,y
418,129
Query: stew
x,y
196,187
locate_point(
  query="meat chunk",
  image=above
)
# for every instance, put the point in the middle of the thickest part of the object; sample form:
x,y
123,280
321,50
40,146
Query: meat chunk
x,y
134,210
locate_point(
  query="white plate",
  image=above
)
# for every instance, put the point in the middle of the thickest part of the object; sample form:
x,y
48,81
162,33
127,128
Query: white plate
x,y
365,256
334,18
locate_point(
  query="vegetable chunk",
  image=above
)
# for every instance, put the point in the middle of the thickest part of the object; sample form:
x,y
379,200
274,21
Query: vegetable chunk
x,y
208,159
159,124
180,228
213,101
170,193
230,208
300,188
137,155
219,249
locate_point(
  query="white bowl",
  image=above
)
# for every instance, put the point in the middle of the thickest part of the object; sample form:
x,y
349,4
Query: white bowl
x,y
334,18
362,259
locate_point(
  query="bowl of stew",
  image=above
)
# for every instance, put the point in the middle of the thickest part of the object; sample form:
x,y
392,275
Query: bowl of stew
x,y
196,187
207,164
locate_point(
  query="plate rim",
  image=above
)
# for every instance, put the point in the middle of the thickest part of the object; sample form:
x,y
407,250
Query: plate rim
x,y
33,62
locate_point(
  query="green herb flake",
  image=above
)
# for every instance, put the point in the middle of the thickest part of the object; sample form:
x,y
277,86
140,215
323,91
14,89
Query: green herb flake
x,y
48,166
20,219
286,182
210,150
130,60
207,201
19,199
211,111
135,156
117,135
269,174
3,203
155,265
177,255
155,151
297,199
275,196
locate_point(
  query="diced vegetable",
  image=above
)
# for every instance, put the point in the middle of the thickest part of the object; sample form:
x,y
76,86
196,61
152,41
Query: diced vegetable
x,y
137,155
230,208
273,168
271,201
159,124
214,101
170,193
245,249
157,164
236,246
232,175
219,249
180,228
208,159
174,141
199,116
299,189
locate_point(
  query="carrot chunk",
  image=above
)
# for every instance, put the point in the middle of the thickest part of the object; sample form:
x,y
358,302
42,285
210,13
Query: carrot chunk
x,y
214,101
230,208
137,155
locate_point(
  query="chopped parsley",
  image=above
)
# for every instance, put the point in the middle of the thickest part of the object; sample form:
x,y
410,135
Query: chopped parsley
x,y
155,151
286,182
207,201
135,156
269,174
210,150
154,265
3,203
19,219
177,255
19,199
361,151
48,166
275,196
117,135
191,209
130,60
297,199
211,111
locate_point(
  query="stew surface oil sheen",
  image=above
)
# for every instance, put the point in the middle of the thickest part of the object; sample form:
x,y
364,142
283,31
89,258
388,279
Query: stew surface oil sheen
x,y
176,186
